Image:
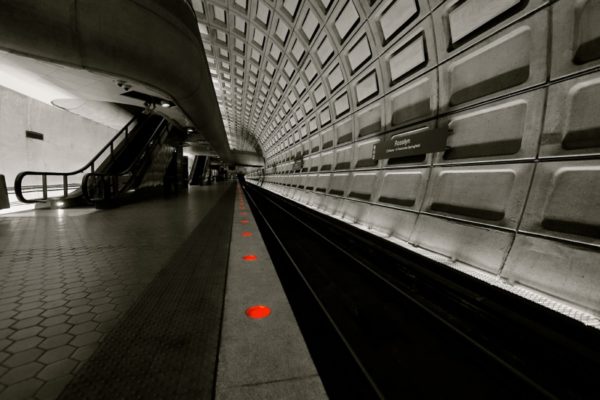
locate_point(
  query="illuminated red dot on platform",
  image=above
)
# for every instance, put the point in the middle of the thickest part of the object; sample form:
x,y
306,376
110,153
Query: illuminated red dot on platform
x,y
243,213
246,234
249,257
258,312
244,221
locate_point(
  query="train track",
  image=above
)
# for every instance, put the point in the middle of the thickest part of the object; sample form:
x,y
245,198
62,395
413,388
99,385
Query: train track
x,y
383,322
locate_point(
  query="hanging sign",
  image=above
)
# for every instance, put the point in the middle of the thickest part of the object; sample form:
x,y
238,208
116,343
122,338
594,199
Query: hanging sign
x,y
412,143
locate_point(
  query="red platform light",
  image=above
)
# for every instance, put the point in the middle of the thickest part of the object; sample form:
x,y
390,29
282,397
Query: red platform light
x,y
244,221
246,234
258,312
249,257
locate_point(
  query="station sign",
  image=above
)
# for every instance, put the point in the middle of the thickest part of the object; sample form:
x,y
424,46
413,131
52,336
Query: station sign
x,y
412,143
298,163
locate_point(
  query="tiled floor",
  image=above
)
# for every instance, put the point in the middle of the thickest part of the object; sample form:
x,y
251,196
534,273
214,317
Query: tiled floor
x,y
67,275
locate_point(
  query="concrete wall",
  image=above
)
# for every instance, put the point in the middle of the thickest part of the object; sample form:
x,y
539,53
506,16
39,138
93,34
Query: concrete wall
x,y
516,195
154,42
69,142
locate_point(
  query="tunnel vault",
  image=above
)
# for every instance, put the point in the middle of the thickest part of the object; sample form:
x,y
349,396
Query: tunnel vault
x,y
512,86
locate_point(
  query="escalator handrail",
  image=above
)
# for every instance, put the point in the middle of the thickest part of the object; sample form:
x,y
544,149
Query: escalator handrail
x,y
114,178
19,179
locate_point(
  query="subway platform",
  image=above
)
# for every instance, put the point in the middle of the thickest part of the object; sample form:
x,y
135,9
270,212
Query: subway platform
x,y
149,300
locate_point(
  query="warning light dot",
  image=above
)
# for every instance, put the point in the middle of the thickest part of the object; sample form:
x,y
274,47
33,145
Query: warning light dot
x,y
246,234
258,312
244,221
249,257
243,213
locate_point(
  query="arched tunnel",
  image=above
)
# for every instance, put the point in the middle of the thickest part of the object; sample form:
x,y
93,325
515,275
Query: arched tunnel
x,y
299,199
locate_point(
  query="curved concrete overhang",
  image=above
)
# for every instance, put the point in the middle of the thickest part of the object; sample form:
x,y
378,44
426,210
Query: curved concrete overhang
x,y
153,42
247,158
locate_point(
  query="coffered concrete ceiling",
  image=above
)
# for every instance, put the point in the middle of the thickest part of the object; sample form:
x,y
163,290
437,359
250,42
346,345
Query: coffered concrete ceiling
x,y
266,57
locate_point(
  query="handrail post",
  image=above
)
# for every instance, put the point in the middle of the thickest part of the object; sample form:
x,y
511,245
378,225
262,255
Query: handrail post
x,y
83,182
19,188
115,179
44,187
65,185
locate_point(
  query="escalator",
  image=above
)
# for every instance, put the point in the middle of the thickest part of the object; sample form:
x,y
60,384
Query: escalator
x,y
120,180
199,169
128,153
124,159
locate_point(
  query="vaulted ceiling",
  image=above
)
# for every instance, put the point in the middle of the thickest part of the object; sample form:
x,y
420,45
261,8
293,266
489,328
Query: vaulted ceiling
x,y
234,34
256,50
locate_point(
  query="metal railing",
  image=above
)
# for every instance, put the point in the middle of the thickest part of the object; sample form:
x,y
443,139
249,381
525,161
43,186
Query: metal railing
x,y
97,186
63,177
